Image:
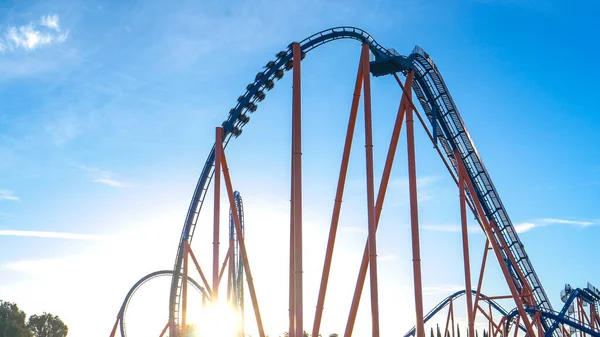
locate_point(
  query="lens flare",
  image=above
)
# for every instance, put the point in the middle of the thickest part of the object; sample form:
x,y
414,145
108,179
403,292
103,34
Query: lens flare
x,y
217,320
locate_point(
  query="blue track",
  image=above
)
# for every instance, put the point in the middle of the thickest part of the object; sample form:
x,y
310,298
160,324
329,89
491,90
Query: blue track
x,y
452,297
138,284
447,126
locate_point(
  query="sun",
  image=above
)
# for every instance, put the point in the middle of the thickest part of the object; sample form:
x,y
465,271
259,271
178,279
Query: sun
x,y
217,320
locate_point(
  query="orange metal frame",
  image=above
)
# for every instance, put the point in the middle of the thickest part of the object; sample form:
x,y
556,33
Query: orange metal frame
x,y
521,294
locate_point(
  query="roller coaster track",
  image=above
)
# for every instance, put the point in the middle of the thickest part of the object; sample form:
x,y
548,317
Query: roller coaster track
x,y
121,317
453,297
448,129
558,318
237,268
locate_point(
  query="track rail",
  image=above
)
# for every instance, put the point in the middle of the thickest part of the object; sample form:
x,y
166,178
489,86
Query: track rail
x,y
452,134
238,262
448,128
141,282
445,302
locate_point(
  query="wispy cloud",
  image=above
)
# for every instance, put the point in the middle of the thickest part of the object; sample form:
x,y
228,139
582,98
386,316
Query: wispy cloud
x,y
519,228
102,177
527,226
30,37
39,265
567,222
50,21
524,227
50,235
8,195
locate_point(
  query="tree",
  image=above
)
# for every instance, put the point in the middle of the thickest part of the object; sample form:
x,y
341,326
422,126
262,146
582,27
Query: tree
x,y
333,335
457,330
439,332
12,321
47,325
432,335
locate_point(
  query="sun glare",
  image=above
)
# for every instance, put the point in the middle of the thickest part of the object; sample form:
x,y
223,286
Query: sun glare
x,y
217,320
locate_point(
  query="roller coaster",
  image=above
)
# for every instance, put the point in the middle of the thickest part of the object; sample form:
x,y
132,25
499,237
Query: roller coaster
x,y
533,314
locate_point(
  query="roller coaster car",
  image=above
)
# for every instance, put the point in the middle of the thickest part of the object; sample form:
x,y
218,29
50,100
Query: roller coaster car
x,y
289,65
236,132
260,95
249,86
258,76
251,107
244,119
240,99
270,64
231,112
281,54
269,84
279,74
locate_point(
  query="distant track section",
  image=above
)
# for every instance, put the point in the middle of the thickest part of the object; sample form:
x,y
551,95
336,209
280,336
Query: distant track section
x,y
448,127
445,302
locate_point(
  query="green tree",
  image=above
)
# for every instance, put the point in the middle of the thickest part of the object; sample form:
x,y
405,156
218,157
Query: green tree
x,y
333,335
12,321
432,335
457,330
47,325
439,332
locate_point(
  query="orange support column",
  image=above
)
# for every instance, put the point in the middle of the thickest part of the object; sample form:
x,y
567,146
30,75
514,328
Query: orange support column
x,y
297,188
240,238
465,241
164,330
446,334
114,329
338,201
370,191
481,273
414,220
217,186
385,178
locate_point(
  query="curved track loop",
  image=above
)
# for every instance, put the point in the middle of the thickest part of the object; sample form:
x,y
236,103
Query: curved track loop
x,y
444,303
138,284
448,128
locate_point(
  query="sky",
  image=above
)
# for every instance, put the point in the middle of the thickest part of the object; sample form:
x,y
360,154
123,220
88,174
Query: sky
x,y
108,109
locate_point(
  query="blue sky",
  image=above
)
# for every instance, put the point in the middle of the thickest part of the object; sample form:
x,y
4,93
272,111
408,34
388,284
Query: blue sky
x,y
107,111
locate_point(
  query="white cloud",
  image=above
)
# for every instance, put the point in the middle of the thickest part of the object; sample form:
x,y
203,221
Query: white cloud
x,y
29,37
50,235
50,21
101,176
519,228
567,222
524,227
527,226
8,195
